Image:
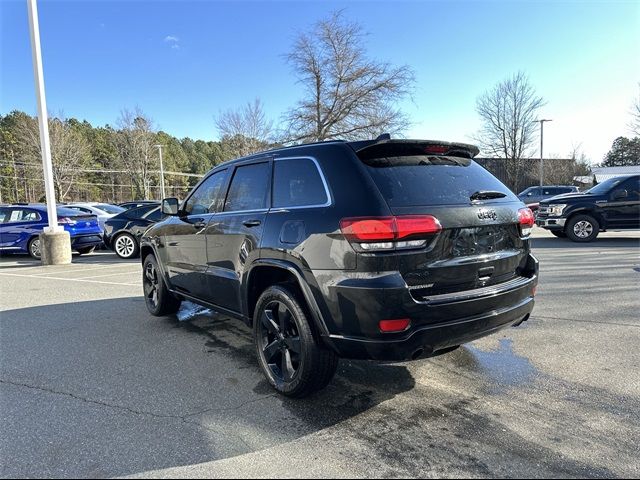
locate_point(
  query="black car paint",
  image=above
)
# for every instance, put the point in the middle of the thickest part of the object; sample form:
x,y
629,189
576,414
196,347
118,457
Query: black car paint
x,y
610,212
131,221
213,259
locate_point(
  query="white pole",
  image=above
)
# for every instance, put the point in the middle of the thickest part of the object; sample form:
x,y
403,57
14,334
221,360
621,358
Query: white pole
x,y
161,171
47,167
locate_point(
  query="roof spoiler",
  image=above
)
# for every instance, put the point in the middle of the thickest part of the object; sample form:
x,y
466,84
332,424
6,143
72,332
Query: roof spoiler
x,y
384,146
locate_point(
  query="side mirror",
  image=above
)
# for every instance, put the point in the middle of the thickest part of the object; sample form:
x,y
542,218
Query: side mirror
x,y
170,206
618,194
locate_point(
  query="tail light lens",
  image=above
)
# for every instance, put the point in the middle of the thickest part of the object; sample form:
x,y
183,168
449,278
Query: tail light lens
x,y
66,220
527,220
390,233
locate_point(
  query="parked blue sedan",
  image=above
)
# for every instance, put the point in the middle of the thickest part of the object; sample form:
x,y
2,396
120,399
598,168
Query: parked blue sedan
x,y
20,225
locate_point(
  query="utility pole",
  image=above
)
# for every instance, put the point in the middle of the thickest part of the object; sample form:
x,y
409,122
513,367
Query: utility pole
x,y
161,170
54,245
541,147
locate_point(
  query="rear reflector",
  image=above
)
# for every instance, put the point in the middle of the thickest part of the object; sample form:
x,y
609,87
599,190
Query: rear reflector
x,y
396,325
527,220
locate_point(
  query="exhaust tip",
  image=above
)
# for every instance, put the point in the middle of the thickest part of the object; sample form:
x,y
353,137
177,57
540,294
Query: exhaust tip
x,y
524,319
417,354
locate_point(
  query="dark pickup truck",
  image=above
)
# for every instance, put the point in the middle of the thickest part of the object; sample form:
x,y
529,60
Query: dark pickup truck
x,y
611,205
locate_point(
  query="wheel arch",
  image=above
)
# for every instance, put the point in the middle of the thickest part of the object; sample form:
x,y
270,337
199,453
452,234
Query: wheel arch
x,y
267,272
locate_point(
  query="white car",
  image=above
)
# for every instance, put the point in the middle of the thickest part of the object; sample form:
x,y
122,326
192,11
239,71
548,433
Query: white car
x,y
104,211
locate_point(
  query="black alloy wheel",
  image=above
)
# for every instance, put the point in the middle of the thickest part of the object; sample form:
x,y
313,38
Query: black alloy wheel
x,y
280,341
159,300
289,351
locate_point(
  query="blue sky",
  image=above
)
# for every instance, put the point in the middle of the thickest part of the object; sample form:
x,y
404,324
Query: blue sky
x,y
183,62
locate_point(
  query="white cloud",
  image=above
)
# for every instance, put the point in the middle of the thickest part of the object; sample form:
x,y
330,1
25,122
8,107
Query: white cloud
x,y
171,39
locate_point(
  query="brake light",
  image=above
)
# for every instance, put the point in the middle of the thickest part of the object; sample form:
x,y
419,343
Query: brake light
x,y
65,220
396,325
389,233
526,220
436,149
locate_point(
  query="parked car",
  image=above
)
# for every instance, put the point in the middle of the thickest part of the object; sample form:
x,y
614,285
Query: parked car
x,y
137,203
382,249
611,205
537,194
21,225
103,211
122,233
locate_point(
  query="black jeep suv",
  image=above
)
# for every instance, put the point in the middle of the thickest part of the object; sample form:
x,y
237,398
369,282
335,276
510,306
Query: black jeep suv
x,y
382,249
611,205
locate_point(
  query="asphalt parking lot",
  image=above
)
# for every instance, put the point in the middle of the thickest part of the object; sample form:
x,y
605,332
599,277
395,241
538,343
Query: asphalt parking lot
x,y
92,386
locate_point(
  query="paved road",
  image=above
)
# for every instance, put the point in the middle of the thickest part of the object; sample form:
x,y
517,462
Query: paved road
x,y
92,386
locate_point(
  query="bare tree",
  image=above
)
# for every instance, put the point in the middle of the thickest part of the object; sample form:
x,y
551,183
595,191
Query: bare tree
x,y
347,95
70,151
245,130
508,112
634,123
134,141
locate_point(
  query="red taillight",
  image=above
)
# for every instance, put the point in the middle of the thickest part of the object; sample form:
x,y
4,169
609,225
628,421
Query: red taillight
x,y
396,325
64,220
526,220
412,225
368,229
389,229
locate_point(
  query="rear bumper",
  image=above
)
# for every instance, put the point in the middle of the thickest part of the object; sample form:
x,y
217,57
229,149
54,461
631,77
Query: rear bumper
x,y
428,340
357,304
85,241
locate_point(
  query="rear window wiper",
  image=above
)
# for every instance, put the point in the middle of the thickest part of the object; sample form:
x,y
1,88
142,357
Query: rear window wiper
x,y
487,194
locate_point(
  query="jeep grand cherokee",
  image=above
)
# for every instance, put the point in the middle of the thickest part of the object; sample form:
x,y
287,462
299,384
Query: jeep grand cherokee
x,y
382,250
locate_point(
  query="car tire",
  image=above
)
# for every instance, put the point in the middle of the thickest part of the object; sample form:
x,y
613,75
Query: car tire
x,y
558,233
126,246
289,353
33,248
157,297
582,228
86,250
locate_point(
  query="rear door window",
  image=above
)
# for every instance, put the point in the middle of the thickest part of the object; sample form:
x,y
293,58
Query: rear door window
x,y
297,183
430,180
22,215
249,188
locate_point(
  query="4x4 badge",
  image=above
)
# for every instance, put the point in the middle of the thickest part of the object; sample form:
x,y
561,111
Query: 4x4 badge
x,y
486,214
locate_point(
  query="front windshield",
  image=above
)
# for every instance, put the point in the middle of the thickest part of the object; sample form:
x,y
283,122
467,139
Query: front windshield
x,y
605,186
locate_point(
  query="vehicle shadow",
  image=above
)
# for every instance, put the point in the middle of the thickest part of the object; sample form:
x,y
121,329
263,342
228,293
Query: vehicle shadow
x,y
101,388
600,242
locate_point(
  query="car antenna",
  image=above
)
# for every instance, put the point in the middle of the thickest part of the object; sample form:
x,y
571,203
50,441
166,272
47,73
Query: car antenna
x,y
384,136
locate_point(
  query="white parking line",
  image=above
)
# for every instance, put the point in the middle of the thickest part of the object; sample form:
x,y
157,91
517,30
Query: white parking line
x,y
68,279
111,275
80,270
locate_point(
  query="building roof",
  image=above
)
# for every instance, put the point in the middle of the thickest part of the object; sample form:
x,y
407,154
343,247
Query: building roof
x,y
605,173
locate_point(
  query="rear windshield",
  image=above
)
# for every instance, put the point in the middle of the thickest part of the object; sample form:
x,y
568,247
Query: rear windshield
x,y
69,212
430,180
111,209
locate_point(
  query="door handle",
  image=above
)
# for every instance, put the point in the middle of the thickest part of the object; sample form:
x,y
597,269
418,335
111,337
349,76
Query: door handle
x,y
251,223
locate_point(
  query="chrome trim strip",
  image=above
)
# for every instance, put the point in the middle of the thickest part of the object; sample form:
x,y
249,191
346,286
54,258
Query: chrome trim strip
x,y
478,292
